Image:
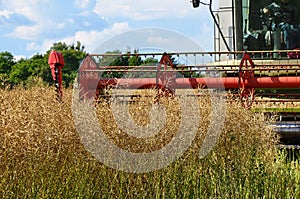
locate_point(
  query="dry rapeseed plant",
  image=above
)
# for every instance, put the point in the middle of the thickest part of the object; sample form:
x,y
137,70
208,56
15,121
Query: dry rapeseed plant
x,y
32,122
41,154
244,133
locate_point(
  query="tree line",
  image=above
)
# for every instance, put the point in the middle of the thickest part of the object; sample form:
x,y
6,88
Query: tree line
x,y
35,70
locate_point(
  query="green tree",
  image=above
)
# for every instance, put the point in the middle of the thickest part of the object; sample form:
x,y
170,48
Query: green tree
x,y
135,60
120,61
39,68
28,71
73,55
150,61
107,60
113,58
6,62
20,72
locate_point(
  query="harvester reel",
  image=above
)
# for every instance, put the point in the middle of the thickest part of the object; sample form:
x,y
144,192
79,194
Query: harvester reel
x,y
165,78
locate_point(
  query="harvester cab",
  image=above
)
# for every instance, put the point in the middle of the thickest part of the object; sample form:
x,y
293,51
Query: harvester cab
x,y
255,25
266,34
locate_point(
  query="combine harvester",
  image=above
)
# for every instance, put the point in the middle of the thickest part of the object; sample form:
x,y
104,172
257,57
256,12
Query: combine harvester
x,y
250,61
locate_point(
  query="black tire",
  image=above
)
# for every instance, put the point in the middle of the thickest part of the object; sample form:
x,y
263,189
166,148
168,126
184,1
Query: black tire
x,y
196,3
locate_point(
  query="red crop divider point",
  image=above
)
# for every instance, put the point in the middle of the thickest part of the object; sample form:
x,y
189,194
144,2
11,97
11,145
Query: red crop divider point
x,y
165,77
56,62
245,74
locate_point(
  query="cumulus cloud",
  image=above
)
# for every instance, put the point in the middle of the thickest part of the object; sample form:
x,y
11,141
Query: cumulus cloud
x,y
32,46
31,9
36,24
27,32
145,10
160,40
19,57
149,39
5,14
85,4
8,17
51,19
90,39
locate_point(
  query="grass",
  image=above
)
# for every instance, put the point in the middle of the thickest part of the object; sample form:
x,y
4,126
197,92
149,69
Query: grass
x,y
41,155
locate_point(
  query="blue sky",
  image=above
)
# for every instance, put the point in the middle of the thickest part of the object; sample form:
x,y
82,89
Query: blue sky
x,y
28,27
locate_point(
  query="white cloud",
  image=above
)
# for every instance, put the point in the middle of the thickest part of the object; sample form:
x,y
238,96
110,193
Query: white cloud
x,y
82,3
4,16
35,11
90,39
19,57
149,38
146,10
160,40
206,28
32,46
32,9
86,6
50,18
27,32
37,24
5,13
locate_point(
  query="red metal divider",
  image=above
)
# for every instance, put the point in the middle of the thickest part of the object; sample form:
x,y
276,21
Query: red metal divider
x,y
245,80
56,63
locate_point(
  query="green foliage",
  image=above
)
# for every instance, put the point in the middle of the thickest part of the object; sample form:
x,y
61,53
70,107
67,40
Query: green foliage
x,y
20,72
6,62
107,60
123,60
25,70
150,61
135,60
36,69
72,56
